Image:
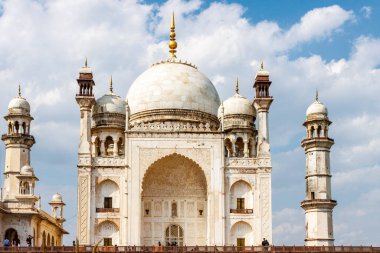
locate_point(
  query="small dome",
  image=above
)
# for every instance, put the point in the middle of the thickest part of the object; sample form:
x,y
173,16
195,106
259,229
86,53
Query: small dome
x,y
57,198
19,105
27,170
109,103
237,105
173,85
316,108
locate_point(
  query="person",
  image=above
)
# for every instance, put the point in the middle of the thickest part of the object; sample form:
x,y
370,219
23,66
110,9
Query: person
x,y
265,244
6,242
73,243
29,240
17,242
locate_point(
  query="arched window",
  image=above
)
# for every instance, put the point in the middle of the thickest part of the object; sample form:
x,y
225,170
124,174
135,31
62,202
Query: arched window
x,y
17,127
48,240
52,240
228,147
23,127
97,147
174,235
174,209
241,233
239,146
24,188
120,146
319,130
107,195
44,238
11,234
10,128
241,197
108,146
109,232
312,132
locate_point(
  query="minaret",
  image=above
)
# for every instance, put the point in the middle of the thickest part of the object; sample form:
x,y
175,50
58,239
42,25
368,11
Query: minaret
x,y
262,104
318,204
18,143
85,100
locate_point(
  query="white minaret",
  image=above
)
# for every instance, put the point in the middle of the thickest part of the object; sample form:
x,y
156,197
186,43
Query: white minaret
x,y
262,103
318,204
85,100
18,175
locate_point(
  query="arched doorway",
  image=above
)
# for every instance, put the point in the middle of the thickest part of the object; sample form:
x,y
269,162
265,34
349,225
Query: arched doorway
x,y
174,191
11,234
174,235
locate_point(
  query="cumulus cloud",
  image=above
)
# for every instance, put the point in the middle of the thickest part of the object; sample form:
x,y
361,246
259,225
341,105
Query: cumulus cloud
x,y
46,47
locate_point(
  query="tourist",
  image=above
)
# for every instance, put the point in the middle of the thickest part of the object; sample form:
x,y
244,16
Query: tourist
x,y
6,242
29,240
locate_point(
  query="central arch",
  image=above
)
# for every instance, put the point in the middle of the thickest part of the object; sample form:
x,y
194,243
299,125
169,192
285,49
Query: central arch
x,y
174,194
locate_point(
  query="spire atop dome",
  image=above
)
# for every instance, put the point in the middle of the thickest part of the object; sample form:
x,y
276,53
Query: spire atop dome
x,y
85,63
19,90
237,86
172,42
262,65
111,88
316,95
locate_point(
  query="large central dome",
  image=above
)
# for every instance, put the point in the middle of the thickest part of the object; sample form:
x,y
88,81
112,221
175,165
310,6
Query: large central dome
x,y
172,85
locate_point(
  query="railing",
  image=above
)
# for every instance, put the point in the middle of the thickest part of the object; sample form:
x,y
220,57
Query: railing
x,y
107,210
192,249
244,211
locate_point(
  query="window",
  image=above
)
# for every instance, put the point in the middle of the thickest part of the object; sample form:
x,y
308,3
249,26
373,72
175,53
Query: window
x,y
240,203
174,209
107,202
107,241
240,242
312,195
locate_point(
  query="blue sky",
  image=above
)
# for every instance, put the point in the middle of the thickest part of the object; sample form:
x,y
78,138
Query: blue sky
x,y
330,45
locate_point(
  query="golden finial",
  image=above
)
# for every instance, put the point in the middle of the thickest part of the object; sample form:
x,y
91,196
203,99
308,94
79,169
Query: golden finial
x,y
111,88
85,63
316,95
172,42
237,86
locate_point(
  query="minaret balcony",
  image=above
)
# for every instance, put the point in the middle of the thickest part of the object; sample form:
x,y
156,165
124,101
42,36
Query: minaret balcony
x,y
318,203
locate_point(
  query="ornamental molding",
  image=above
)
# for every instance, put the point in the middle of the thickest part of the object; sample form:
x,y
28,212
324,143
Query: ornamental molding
x,y
241,162
172,127
108,161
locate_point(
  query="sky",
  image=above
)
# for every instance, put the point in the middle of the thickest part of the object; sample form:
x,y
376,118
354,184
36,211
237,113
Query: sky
x,y
332,46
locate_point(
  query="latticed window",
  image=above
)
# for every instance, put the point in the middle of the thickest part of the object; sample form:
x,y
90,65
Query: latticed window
x,y
174,235
240,203
107,241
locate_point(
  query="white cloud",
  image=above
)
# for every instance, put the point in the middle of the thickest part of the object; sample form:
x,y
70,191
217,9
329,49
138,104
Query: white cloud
x,y
366,11
319,23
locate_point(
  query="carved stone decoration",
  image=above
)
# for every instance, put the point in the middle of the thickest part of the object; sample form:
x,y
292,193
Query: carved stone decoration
x,y
83,208
108,161
84,161
265,207
202,157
